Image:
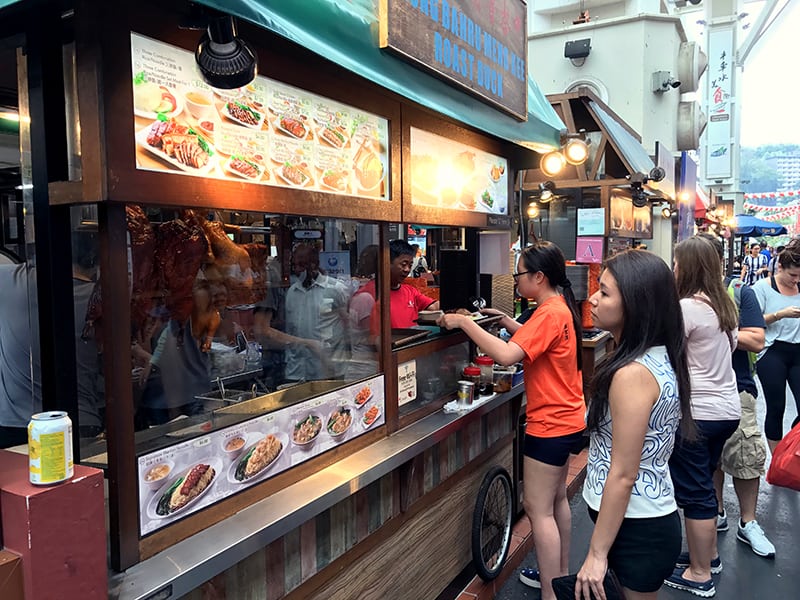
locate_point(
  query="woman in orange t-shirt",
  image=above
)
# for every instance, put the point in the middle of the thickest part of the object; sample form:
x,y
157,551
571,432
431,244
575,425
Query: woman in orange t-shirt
x,y
549,346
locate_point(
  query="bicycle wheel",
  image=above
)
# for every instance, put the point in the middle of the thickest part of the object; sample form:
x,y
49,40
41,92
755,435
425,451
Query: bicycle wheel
x,y
491,523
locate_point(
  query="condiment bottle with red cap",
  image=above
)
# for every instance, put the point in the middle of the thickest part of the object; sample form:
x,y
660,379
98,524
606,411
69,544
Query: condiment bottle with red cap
x,y
473,374
486,383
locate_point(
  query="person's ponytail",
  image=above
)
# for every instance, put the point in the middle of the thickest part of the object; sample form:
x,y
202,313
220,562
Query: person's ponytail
x,y
572,304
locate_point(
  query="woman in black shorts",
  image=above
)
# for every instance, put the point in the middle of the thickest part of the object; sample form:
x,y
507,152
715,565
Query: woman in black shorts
x,y
643,388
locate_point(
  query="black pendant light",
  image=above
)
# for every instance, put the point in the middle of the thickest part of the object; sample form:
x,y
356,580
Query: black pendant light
x,y
225,60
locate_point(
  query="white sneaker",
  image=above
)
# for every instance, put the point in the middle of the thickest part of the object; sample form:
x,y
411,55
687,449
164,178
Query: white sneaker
x,y
722,521
753,535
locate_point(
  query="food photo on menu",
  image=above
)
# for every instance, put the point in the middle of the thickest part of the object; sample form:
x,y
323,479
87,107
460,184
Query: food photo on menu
x,y
447,174
179,480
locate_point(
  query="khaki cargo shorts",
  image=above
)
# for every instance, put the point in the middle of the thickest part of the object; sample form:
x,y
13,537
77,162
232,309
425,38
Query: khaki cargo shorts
x,y
745,453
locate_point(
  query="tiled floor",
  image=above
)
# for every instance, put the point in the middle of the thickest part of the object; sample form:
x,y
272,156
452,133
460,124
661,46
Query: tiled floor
x,y
522,540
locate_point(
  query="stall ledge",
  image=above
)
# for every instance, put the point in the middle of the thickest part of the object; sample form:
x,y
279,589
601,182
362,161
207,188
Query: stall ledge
x,y
58,531
186,565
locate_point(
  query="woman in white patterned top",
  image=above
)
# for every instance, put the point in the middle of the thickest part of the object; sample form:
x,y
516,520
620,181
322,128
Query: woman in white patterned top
x,y
644,386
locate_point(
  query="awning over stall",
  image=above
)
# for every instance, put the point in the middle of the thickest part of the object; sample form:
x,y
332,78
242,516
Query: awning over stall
x,y
701,203
620,149
347,34
629,147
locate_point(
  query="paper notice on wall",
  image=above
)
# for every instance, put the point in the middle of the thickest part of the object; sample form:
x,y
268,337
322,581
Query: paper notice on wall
x,y
406,382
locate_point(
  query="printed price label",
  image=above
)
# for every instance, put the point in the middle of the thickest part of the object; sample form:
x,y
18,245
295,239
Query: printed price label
x,y
406,382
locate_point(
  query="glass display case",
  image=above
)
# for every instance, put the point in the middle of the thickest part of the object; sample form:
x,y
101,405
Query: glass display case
x,y
232,315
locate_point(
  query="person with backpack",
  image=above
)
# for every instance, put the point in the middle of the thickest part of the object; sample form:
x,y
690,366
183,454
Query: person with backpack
x,y
745,453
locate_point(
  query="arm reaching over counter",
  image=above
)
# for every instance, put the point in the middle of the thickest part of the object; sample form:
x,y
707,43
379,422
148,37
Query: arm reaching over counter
x,y
509,323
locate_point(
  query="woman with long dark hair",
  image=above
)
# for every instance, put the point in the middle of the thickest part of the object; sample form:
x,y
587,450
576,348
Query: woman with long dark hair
x,y
711,324
779,363
639,394
549,346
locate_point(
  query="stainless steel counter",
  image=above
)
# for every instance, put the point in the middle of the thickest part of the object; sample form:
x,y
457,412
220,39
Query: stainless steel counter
x,y
183,567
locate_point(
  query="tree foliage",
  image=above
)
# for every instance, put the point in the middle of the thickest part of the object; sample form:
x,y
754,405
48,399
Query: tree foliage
x,y
756,173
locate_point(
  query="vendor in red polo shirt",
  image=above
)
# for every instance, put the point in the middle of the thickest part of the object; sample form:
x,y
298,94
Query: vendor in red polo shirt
x,y
406,300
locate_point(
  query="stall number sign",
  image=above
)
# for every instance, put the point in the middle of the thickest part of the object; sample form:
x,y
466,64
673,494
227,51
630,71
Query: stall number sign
x,y
480,46
406,382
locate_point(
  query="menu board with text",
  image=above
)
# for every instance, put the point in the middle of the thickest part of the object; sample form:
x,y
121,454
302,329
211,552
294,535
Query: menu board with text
x,y
266,133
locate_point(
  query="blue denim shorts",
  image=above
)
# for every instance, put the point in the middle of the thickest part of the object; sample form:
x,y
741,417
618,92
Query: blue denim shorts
x,y
692,467
553,451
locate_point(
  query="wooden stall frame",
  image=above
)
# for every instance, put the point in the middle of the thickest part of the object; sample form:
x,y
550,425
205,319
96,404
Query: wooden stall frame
x,y
110,178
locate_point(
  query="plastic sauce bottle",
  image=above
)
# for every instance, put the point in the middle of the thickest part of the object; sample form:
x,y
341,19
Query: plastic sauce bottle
x,y
486,382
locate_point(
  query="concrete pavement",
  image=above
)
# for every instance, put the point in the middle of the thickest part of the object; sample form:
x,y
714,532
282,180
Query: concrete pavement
x,y
745,576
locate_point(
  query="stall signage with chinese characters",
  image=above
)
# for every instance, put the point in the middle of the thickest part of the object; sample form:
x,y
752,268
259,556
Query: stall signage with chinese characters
x,y
448,174
267,133
481,46
719,128
177,481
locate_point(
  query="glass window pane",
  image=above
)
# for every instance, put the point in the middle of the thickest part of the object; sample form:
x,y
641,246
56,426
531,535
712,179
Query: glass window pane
x,y
238,314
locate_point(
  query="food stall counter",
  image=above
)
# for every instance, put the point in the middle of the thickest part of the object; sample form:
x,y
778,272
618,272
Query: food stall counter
x,y
187,564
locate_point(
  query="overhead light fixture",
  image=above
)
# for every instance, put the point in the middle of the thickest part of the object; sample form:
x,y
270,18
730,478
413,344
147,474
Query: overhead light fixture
x,y
668,212
576,149
552,163
546,190
226,61
638,196
533,210
639,180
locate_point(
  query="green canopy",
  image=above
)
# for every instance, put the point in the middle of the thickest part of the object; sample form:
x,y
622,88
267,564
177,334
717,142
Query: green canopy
x,y
347,33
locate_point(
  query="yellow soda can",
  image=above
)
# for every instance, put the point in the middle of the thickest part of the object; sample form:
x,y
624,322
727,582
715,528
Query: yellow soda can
x,y
50,447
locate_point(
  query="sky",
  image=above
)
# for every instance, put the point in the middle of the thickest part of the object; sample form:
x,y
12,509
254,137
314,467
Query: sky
x,y
770,83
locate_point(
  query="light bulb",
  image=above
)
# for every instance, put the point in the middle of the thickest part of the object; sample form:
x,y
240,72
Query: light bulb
x,y
576,151
552,163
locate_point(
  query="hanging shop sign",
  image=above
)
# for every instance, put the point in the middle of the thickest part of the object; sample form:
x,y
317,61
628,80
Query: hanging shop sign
x,y
448,174
480,46
720,101
266,133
